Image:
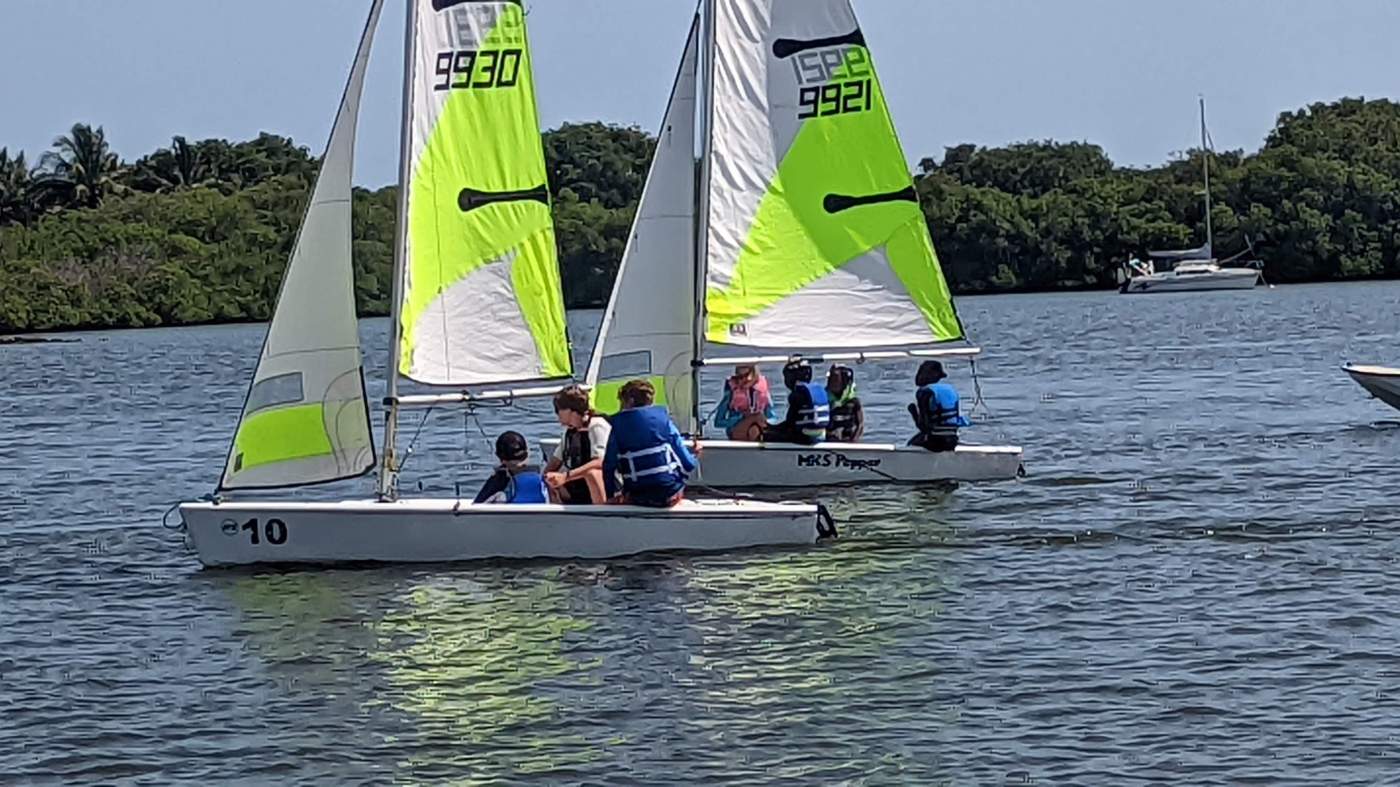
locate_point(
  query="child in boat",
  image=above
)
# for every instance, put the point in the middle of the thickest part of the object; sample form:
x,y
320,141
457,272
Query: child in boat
x,y
809,408
745,409
515,480
645,451
847,416
935,409
574,474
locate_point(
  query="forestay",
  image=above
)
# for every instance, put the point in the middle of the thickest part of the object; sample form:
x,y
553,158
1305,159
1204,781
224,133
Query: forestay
x,y
813,232
648,328
305,419
480,295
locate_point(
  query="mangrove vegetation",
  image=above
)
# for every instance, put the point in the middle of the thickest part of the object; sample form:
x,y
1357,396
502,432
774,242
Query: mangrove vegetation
x,y
200,231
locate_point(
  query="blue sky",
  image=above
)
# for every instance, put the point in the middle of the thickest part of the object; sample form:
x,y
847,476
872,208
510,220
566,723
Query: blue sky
x,y
1124,74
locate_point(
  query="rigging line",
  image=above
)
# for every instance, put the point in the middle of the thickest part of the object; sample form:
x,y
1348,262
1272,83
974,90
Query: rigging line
x,y
978,400
408,451
470,417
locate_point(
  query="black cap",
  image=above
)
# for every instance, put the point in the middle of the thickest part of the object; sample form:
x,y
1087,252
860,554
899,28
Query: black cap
x,y
511,447
797,371
929,372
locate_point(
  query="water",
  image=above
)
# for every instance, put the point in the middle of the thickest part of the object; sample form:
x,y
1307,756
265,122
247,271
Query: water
x,y
1196,584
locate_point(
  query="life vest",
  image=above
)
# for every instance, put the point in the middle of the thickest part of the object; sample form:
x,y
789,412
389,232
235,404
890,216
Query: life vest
x,y
814,419
939,412
646,460
578,448
749,399
843,415
527,486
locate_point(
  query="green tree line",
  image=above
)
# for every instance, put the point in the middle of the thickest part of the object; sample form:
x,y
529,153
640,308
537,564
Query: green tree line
x,y
200,231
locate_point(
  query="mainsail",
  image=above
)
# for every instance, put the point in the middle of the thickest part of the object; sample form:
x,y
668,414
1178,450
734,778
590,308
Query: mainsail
x,y
648,328
480,298
305,419
813,232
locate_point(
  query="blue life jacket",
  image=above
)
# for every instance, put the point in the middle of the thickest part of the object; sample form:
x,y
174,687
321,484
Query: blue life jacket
x,y
813,421
527,486
942,415
645,458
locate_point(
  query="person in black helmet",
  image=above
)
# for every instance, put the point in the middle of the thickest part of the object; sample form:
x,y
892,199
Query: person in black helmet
x,y
935,409
809,408
515,480
847,415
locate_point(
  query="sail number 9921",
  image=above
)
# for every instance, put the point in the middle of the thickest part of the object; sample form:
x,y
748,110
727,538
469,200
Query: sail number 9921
x,y
837,98
478,69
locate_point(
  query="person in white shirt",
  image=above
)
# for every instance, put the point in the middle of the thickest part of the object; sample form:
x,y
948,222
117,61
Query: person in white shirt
x,y
574,473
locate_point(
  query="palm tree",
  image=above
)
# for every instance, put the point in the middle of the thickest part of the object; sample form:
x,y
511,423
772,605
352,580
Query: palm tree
x,y
81,169
180,166
15,195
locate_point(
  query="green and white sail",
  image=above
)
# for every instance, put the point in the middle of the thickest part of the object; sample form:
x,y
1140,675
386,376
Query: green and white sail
x,y
306,419
648,327
480,298
813,234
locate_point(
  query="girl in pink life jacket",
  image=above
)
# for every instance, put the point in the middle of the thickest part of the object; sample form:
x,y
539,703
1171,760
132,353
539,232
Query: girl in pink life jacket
x,y
746,408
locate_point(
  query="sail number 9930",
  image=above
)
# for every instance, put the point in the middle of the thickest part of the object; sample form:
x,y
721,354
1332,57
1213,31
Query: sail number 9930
x,y
478,69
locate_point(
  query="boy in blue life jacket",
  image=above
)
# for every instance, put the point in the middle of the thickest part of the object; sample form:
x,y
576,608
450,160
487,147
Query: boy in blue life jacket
x,y
646,451
515,479
935,409
808,408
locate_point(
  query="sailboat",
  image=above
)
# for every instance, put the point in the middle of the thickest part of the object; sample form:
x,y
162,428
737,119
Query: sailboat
x,y
477,302
1189,270
801,231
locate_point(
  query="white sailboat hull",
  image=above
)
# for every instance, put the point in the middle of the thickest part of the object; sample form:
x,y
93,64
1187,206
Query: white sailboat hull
x,y
446,530
1222,279
1381,382
734,464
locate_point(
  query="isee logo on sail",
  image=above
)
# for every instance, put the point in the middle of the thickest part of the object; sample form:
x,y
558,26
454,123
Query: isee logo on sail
x,y
833,74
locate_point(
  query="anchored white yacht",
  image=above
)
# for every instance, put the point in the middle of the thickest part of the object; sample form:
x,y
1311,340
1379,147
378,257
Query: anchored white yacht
x,y
1189,270
1195,272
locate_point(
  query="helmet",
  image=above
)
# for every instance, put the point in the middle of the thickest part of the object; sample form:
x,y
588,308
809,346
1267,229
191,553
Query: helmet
x,y
839,379
797,371
929,372
511,447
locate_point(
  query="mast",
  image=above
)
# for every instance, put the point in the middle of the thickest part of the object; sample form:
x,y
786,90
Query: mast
x,y
1205,167
706,118
387,468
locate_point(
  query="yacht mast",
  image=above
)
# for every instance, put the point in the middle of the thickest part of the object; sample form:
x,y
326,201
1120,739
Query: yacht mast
x,y
388,466
706,115
1205,166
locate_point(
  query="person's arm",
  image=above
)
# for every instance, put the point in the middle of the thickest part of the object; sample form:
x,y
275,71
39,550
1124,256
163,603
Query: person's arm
x,y
857,420
768,413
725,417
610,468
497,483
797,399
678,445
556,458
579,472
919,408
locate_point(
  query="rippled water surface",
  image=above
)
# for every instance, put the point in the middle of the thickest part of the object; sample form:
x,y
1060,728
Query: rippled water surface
x,y
1197,584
